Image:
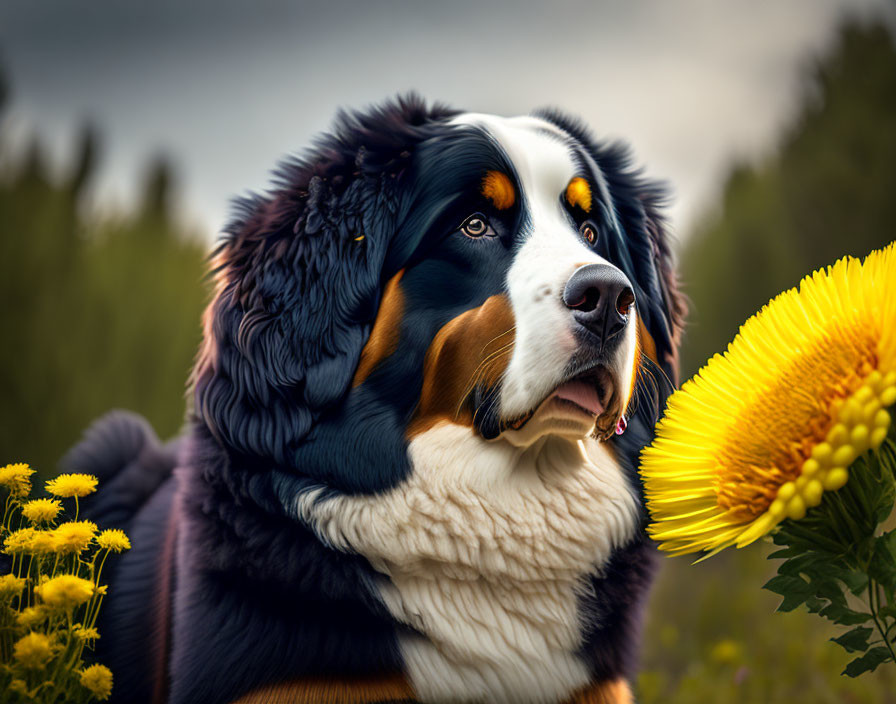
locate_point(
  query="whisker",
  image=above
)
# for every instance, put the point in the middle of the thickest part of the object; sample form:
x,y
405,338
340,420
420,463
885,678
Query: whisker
x,y
480,372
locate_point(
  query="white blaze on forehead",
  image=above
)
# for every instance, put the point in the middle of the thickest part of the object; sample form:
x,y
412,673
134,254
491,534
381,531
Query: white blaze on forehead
x,y
551,250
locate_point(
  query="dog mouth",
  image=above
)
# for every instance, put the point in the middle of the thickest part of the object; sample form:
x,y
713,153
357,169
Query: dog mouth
x,y
590,395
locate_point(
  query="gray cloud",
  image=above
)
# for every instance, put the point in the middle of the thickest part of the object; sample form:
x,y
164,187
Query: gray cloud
x,y
228,87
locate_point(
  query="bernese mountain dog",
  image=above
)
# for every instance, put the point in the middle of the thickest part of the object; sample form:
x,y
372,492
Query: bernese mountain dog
x,y
433,353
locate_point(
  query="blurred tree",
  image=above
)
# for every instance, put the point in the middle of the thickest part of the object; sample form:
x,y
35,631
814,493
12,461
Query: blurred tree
x,y
826,192
98,312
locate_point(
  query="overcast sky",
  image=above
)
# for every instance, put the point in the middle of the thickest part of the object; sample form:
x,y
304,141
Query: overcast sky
x,y
226,88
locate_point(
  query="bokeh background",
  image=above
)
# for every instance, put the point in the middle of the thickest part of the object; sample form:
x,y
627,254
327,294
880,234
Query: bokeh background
x,y
125,128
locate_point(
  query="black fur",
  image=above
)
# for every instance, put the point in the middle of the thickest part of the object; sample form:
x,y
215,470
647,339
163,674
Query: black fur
x,y
253,596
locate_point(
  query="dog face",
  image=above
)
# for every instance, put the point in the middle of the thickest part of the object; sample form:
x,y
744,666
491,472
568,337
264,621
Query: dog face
x,y
425,267
545,340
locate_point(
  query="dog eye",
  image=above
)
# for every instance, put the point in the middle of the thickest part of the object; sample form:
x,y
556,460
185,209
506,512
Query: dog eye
x,y
588,232
476,226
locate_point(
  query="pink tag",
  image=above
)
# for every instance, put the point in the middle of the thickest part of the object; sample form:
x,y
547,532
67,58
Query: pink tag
x,y
621,425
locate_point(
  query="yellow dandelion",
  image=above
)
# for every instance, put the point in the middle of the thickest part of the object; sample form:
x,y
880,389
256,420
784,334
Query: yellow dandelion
x,y
98,679
114,539
32,616
73,537
33,651
64,592
15,477
18,541
41,510
66,485
10,587
761,432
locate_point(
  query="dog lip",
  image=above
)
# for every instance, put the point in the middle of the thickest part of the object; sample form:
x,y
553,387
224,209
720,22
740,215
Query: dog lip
x,y
587,391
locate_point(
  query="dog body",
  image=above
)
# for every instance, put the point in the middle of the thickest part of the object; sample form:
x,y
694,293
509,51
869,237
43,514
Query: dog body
x,y
401,463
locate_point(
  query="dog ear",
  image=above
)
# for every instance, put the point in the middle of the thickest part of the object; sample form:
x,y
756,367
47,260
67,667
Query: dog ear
x,y
298,281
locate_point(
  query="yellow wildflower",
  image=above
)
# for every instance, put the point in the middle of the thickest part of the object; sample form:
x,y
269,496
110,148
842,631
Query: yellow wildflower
x,y
15,477
33,651
41,510
10,586
42,542
82,632
726,652
64,592
18,542
761,432
98,679
114,539
32,616
66,485
73,536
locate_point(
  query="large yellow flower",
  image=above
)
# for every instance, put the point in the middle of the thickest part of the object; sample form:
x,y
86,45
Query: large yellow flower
x,y
763,430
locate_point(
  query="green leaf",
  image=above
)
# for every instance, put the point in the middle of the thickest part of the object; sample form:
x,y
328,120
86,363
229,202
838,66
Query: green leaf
x,y
855,640
883,560
868,662
795,590
838,613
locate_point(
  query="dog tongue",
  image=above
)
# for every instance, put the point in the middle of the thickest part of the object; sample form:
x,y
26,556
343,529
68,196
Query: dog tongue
x,y
582,395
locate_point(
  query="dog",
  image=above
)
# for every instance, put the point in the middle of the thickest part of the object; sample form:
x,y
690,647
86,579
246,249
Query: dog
x,y
432,355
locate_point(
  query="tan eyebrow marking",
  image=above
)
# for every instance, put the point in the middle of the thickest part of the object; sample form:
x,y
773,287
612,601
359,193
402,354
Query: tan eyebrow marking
x,y
578,192
498,189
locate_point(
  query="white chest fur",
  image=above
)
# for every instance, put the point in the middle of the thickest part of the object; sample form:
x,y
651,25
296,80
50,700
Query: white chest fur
x,y
486,547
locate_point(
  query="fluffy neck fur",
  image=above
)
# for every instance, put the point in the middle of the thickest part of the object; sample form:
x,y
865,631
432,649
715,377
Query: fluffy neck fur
x,y
488,549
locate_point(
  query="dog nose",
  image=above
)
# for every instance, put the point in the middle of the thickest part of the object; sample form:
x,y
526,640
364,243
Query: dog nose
x,y
599,296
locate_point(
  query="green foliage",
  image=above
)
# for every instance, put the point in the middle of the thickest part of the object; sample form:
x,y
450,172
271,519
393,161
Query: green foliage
x,y
98,311
837,553
826,192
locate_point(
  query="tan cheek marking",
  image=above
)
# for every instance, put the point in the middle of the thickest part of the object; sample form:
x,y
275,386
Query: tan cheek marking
x,y
646,343
611,692
383,340
473,348
499,190
578,192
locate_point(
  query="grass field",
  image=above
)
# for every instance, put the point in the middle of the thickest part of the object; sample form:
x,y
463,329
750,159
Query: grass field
x,y
712,636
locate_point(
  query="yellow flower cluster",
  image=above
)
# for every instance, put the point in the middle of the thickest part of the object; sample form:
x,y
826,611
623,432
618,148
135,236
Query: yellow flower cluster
x,y
50,599
68,485
16,478
10,587
862,423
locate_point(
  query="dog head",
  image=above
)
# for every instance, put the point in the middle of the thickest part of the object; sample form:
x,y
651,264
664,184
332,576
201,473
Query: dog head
x,y
420,266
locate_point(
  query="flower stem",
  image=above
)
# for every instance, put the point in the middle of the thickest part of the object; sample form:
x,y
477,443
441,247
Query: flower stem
x,y
874,604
